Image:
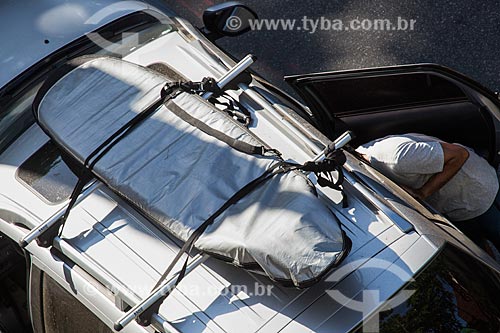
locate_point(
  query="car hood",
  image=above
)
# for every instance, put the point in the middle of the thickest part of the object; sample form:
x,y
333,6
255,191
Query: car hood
x,y
31,30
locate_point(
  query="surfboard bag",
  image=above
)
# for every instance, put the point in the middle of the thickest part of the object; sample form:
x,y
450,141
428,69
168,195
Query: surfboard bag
x,y
189,168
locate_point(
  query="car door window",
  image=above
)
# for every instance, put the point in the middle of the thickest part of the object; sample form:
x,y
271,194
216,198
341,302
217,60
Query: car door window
x,y
385,92
454,293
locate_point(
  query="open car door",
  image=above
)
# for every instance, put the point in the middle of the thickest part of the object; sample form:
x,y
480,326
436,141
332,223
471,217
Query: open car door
x,y
422,98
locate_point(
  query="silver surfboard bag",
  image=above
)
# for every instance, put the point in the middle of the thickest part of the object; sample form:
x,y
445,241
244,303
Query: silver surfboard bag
x,y
184,162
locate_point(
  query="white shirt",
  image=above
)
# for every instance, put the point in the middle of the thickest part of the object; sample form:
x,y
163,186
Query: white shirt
x,y
411,159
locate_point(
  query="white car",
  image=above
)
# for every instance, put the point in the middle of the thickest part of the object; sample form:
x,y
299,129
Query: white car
x,y
407,269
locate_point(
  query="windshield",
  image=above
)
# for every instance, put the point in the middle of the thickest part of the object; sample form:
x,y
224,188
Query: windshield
x,y
129,33
45,173
455,293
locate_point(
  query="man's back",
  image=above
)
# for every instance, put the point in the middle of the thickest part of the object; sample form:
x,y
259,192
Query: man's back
x,y
413,159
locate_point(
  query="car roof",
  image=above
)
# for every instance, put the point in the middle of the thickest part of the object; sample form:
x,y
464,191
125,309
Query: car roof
x,y
31,30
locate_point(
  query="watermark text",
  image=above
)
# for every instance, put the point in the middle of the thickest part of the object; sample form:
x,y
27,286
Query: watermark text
x,y
313,25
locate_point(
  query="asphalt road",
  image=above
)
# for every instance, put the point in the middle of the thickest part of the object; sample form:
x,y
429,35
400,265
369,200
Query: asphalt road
x,y
463,35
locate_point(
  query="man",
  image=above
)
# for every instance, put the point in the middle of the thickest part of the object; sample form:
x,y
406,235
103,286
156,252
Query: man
x,y
450,177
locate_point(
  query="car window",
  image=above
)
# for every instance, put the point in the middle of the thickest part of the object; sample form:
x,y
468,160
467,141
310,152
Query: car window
x,y
44,172
16,116
386,91
455,293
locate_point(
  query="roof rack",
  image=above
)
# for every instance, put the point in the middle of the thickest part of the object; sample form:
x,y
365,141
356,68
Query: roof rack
x,y
38,232
121,291
144,311
51,225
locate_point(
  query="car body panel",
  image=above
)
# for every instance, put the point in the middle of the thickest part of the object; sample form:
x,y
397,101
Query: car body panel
x,y
98,226
102,227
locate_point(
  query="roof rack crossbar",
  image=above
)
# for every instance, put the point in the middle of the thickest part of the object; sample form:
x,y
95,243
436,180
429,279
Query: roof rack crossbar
x,y
157,296
38,231
121,291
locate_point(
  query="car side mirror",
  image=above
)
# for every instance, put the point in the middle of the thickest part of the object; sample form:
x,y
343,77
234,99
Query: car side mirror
x,y
227,19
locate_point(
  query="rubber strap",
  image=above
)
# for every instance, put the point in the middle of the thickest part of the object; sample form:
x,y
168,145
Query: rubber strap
x,y
239,145
112,140
99,153
188,245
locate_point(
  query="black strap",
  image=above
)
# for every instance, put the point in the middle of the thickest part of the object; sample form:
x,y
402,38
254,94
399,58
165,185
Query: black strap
x,y
334,160
239,145
188,245
169,91
47,237
208,84
321,167
74,195
144,319
234,108
112,140
325,180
